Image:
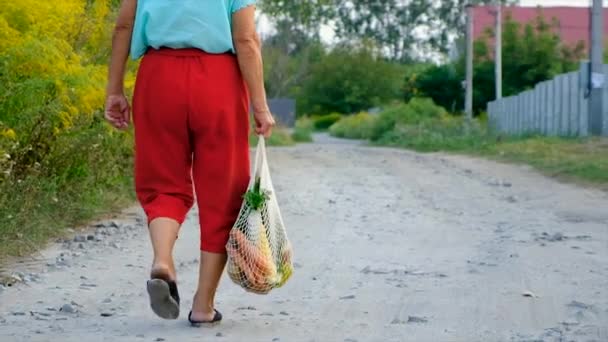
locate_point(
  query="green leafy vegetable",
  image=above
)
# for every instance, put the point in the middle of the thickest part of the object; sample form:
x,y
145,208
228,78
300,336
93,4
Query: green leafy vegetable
x,y
255,197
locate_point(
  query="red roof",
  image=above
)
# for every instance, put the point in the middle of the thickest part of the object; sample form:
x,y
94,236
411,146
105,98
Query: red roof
x,y
573,21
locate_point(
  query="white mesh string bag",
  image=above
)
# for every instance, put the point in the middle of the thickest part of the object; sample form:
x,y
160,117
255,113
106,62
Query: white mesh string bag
x,y
259,253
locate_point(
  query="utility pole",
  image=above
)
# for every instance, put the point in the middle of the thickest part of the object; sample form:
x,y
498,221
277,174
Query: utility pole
x,y
469,80
597,81
498,52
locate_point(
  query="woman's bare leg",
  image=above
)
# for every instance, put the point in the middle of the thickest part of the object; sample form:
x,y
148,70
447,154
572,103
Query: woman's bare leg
x,y
163,233
211,269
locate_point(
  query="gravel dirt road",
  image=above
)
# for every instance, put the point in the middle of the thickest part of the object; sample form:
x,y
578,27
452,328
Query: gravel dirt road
x,y
390,245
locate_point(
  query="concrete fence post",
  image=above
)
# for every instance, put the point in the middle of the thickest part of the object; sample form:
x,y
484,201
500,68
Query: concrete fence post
x,y
491,117
512,109
583,107
573,102
543,108
605,103
505,112
520,114
531,112
551,108
559,105
526,112
503,117
537,105
565,106
504,122
498,114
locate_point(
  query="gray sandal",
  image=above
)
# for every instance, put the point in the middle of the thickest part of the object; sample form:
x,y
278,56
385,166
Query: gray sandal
x,y
164,298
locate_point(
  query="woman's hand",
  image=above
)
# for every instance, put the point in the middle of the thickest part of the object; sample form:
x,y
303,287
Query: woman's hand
x,y
118,111
248,51
264,122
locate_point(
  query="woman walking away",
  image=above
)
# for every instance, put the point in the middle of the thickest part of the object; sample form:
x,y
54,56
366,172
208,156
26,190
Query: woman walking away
x,y
201,62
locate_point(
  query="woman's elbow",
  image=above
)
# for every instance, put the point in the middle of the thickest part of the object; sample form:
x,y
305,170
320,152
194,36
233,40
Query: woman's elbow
x,y
247,41
123,26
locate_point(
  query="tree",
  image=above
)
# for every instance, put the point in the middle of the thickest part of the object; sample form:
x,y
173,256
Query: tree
x,y
443,84
347,80
451,20
390,23
304,16
410,29
532,53
288,56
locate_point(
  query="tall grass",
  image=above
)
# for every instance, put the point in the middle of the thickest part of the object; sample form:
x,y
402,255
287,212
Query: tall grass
x,y
422,126
358,126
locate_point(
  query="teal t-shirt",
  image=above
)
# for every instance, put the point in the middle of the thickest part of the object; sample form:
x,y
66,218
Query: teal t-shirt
x,y
176,24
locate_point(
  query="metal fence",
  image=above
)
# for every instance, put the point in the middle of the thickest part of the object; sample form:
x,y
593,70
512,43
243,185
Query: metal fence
x,y
559,107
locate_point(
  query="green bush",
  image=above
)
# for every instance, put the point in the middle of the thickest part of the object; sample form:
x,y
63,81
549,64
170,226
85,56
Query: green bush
x,y
422,125
52,182
323,122
303,130
60,163
416,111
357,126
349,79
444,134
280,137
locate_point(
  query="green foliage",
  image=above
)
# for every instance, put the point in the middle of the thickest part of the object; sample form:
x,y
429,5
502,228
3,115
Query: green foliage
x,y
303,130
534,53
280,137
531,54
436,134
422,126
392,120
358,126
443,84
255,197
301,15
349,80
288,55
323,122
389,23
60,163
62,182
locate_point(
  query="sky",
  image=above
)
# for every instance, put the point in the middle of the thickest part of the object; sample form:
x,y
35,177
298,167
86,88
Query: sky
x,y
555,2
327,33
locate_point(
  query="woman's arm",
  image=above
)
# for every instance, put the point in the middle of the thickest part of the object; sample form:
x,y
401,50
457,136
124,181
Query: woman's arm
x,y
248,49
117,106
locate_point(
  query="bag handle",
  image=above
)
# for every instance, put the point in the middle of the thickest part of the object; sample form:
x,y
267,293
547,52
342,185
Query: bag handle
x,y
260,160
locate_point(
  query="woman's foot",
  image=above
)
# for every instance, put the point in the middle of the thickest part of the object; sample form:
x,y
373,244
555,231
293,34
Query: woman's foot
x,y
202,312
164,298
162,289
210,272
217,318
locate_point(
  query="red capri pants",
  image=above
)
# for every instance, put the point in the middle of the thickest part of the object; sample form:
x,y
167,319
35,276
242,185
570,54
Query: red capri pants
x,y
190,112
